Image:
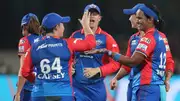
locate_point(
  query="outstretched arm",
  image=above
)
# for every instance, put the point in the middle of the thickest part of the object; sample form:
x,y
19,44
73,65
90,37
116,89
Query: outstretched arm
x,y
82,45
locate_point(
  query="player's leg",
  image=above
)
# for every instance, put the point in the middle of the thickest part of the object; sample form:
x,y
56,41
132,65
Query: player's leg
x,y
129,91
148,93
67,98
79,92
25,95
134,93
96,91
40,98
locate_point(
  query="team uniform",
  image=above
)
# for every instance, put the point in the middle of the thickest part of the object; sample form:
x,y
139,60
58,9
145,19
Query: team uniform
x,y
93,89
53,57
149,76
24,44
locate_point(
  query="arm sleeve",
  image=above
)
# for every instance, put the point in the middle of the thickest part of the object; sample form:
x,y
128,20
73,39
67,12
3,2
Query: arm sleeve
x,y
110,66
23,46
169,59
128,53
27,68
146,45
82,45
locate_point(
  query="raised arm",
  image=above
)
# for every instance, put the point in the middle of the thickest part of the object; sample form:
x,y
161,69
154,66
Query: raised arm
x,y
82,45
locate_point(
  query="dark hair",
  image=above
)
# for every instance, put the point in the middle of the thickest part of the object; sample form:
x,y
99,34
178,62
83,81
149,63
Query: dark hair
x,y
33,26
160,23
44,30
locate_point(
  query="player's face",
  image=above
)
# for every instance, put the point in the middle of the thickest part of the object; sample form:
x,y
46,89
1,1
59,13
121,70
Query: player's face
x,y
60,29
24,30
94,19
141,20
132,19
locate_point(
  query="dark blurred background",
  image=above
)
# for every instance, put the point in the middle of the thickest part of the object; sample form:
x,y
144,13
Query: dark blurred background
x,y
113,21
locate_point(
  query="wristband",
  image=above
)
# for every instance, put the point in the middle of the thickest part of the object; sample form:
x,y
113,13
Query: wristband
x,y
116,56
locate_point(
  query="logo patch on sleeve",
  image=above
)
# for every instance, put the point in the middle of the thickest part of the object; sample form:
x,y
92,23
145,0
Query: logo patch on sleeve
x,y
167,48
21,48
165,40
22,41
142,47
147,40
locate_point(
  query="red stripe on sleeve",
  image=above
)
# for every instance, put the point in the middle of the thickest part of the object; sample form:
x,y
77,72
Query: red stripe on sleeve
x,y
27,68
169,58
23,46
110,66
82,45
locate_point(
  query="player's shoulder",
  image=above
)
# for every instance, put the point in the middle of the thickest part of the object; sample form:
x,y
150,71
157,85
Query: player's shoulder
x,y
162,34
133,36
106,34
23,40
76,32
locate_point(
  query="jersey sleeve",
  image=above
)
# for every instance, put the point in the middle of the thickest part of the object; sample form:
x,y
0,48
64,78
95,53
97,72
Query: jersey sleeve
x,y
110,66
27,68
128,54
146,45
23,46
169,58
82,45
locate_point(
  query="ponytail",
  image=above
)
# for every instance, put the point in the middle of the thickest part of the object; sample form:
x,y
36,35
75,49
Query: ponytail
x,y
160,23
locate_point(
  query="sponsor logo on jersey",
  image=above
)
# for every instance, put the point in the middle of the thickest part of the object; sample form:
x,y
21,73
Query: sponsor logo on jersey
x,y
142,47
36,40
147,40
134,42
21,48
49,45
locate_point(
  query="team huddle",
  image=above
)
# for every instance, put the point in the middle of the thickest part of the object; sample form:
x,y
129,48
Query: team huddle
x,y
53,68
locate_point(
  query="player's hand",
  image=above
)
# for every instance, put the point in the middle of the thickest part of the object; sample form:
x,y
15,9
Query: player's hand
x,y
96,51
113,83
91,72
167,85
85,23
17,98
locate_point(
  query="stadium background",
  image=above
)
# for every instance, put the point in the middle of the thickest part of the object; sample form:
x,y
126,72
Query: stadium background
x,y
113,21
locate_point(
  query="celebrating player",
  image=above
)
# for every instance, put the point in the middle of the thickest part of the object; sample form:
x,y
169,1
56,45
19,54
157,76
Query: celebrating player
x,y
52,57
150,57
30,30
91,68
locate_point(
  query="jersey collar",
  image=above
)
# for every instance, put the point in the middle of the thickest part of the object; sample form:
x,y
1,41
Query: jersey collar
x,y
98,31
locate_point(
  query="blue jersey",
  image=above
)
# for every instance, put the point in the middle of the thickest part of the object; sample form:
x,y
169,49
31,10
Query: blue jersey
x,y
85,60
51,57
152,70
24,44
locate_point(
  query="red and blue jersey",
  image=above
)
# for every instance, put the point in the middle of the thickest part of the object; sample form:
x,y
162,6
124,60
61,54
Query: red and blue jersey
x,y
106,64
154,46
53,57
24,44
